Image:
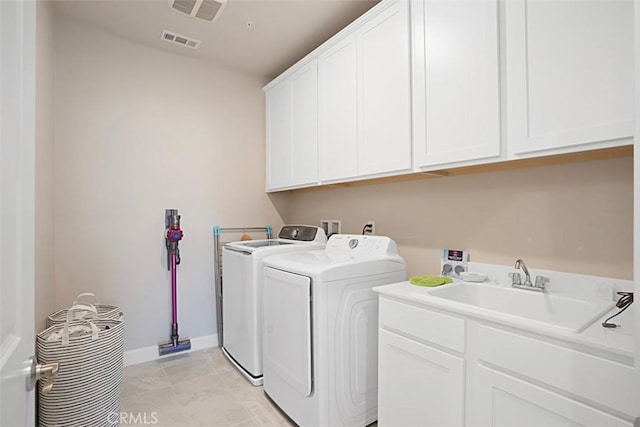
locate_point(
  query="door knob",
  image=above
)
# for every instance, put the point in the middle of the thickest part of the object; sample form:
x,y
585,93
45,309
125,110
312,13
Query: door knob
x,y
44,372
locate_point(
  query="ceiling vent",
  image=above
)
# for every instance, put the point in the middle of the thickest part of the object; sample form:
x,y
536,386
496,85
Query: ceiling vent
x,y
174,38
207,10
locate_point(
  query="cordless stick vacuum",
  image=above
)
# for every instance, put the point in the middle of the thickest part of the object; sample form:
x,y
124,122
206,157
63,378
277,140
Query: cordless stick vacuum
x,y
172,236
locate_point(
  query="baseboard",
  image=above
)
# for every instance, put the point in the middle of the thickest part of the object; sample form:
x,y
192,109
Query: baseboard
x,y
148,354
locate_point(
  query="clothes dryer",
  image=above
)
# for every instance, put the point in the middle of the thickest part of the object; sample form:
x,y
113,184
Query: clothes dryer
x,y
321,329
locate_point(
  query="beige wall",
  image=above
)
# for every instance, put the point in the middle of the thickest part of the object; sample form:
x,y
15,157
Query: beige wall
x,y
44,230
575,218
137,131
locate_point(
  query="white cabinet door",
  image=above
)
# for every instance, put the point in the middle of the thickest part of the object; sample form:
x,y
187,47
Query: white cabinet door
x,y
504,401
365,98
456,81
338,112
570,76
292,130
279,136
385,97
417,384
304,125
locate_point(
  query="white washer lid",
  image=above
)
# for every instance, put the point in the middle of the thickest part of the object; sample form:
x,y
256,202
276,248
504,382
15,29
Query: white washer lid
x,y
271,250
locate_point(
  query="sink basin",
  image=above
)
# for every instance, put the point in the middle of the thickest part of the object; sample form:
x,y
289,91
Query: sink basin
x,y
551,309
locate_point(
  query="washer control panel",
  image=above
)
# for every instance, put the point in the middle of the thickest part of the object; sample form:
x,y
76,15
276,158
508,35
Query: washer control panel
x,y
302,233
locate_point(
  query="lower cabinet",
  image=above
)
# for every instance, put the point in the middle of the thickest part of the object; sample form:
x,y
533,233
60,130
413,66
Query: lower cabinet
x,y
440,368
505,401
418,385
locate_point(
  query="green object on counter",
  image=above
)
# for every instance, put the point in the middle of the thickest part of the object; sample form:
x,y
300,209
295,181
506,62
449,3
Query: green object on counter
x,y
426,280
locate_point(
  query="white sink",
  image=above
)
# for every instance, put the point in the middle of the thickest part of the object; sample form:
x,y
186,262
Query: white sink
x,y
572,314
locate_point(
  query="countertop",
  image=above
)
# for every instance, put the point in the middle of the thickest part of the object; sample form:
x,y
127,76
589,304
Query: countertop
x,y
614,341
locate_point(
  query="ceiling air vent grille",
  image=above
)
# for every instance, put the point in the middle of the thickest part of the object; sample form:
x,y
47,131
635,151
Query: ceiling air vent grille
x,y
207,10
184,6
174,38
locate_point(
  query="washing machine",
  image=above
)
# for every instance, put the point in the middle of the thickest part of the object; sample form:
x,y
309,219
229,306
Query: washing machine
x,y
242,293
321,329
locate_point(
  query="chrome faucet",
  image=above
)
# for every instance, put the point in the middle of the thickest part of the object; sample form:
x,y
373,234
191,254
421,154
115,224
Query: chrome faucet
x,y
516,279
527,279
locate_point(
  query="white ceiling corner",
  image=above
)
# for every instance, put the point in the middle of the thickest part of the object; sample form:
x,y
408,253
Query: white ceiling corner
x,y
282,31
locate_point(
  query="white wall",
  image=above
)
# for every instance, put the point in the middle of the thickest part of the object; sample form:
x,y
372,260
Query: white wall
x,y
576,218
137,131
44,195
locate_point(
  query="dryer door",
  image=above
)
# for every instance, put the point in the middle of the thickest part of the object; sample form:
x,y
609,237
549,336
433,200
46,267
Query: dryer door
x,y
287,320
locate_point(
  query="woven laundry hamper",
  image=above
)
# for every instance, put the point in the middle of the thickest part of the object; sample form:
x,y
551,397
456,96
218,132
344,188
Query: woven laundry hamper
x,y
86,391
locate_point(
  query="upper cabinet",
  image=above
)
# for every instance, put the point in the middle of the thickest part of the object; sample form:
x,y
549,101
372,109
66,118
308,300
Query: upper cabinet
x,y
292,130
424,85
365,98
570,80
456,81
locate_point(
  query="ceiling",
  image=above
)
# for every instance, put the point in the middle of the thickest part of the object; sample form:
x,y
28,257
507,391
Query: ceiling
x,y
282,31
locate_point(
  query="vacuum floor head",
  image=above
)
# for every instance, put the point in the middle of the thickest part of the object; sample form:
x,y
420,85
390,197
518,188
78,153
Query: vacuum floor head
x,y
169,348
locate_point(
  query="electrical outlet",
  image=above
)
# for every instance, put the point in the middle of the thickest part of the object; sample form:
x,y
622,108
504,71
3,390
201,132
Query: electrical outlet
x,y
369,228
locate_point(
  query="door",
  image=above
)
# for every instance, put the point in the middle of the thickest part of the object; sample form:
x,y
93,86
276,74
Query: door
x,y
287,323
338,111
17,159
384,143
504,401
304,125
570,68
636,218
279,136
456,81
418,385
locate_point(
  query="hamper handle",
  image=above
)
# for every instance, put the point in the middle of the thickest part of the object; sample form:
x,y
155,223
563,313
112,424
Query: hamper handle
x,y
91,295
82,308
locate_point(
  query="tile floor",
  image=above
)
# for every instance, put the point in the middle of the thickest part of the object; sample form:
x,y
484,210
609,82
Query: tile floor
x,y
199,388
